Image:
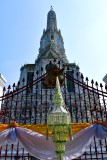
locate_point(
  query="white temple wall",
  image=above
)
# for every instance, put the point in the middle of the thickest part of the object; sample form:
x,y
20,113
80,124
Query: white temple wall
x,y
2,83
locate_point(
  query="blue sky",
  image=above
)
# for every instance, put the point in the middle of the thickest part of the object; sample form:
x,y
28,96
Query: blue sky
x,y
83,24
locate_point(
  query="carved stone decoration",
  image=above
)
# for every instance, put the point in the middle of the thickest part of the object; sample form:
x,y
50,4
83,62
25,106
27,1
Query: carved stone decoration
x,y
53,71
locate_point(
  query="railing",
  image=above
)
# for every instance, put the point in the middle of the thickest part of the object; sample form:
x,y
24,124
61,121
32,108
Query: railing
x,y
84,102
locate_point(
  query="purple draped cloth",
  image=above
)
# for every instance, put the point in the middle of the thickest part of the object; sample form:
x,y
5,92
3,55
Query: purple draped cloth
x,y
37,145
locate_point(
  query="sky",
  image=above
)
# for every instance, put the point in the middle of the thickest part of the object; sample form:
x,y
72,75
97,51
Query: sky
x,y
83,24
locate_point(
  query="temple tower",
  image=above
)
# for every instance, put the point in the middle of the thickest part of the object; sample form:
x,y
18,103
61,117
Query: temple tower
x,y
51,43
51,49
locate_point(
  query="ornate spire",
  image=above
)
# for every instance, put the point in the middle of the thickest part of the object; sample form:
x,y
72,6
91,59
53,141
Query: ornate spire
x,y
51,9
59,121
51,19
52,40
58,99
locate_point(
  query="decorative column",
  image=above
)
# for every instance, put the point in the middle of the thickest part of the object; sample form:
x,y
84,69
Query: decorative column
x,y
59,121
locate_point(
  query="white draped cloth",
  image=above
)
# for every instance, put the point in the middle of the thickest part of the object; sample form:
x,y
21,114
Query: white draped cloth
x,y
37,145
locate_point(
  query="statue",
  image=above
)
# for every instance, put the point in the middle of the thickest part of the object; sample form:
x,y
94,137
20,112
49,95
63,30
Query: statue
x,y
53,71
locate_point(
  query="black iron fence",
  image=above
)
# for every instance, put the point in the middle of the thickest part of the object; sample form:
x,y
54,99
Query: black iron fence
x,y
30,102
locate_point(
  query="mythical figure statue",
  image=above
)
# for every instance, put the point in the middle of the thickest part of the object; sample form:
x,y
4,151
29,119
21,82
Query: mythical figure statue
x,y
53,71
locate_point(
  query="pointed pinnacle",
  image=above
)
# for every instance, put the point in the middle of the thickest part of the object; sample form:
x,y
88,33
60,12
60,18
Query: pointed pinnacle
x,y
58,99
